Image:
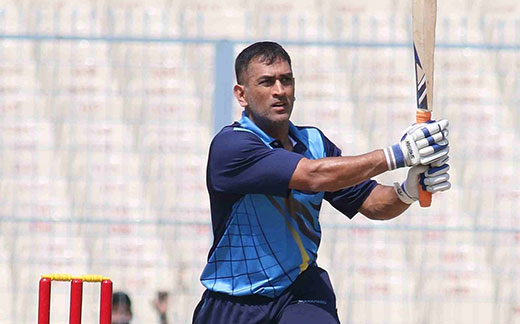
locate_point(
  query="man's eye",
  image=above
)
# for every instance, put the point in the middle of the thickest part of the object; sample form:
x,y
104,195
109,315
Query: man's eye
x,y
266,82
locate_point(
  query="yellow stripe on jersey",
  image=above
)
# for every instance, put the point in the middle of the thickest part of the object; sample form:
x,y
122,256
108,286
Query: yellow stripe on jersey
x,y
305,257
297,238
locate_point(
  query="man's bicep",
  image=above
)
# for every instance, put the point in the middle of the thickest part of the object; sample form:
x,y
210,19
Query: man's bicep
x,y
301,178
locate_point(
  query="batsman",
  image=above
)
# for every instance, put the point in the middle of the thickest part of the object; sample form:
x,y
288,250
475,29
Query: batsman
x,y
267,179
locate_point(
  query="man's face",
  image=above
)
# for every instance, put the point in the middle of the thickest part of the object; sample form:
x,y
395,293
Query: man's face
x,y
267,92
121,315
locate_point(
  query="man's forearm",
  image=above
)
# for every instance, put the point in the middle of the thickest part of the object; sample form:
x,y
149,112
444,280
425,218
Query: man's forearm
x,y
334,173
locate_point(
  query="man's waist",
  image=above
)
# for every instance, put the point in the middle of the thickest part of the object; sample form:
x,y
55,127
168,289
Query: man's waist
x,y
260,297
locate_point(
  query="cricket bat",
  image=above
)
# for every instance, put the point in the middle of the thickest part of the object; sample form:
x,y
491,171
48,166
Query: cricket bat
x,y
424,14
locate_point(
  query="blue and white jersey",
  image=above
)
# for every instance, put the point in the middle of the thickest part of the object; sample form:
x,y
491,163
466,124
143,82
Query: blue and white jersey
x,y
266,234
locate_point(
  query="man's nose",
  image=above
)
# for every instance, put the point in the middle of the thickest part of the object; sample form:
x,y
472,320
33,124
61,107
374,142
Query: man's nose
x,y
278,88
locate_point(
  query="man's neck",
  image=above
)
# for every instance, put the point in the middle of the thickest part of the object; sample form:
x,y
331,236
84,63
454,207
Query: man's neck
x,y
279,132
287,144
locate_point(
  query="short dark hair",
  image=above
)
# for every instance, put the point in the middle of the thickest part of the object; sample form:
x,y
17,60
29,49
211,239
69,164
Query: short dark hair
x,y
120,299
268,52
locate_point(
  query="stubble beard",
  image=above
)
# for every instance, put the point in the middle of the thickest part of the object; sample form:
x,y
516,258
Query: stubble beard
x,y
271,122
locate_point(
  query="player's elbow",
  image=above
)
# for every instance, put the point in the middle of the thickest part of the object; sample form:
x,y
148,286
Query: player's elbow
x,y
382,204
381,216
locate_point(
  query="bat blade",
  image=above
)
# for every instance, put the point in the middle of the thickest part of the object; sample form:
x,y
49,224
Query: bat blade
x,y
424,15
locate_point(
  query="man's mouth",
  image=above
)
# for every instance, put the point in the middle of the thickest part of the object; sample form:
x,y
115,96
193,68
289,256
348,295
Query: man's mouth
x,y
279,104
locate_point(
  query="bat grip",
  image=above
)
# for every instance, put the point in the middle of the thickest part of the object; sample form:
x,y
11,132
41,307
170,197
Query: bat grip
x,y
425,197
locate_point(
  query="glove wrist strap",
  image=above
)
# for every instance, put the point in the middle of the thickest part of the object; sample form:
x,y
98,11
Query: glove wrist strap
x,y
394,157
401,193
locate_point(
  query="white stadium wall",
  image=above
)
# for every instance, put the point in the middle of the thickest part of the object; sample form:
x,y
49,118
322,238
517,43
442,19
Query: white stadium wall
x,y
106,115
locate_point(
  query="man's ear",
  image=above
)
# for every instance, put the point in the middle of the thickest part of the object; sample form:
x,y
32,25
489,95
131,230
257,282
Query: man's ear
x,y
239,91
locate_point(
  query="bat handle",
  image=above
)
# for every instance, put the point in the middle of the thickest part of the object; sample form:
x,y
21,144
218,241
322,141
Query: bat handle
x,y
425,197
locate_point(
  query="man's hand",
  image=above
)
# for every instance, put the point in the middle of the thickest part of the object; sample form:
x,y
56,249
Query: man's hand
x,y
161,305
421,144
433,180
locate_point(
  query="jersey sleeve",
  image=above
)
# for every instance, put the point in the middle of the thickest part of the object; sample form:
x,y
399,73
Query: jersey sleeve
x,y
240,163
347,200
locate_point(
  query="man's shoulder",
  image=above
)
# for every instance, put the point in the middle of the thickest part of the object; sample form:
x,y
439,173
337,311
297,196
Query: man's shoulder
x,y
235,131
234,135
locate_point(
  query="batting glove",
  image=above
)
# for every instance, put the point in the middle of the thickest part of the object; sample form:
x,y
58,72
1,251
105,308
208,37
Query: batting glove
x,y
432,179
421,144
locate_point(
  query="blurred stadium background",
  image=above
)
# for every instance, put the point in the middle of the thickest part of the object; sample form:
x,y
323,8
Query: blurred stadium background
x,y
107,108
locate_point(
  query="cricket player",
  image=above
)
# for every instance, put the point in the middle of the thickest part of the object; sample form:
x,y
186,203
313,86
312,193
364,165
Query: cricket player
x,y
267,179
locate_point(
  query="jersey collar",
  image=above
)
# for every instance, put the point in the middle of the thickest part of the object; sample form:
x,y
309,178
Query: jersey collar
x,y
294,132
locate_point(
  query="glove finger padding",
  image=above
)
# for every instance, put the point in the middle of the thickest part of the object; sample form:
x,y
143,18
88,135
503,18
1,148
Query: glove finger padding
x,y
439,162
436,178
435,138
439,187
421,144
428,129
433,179
436,171
433,153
